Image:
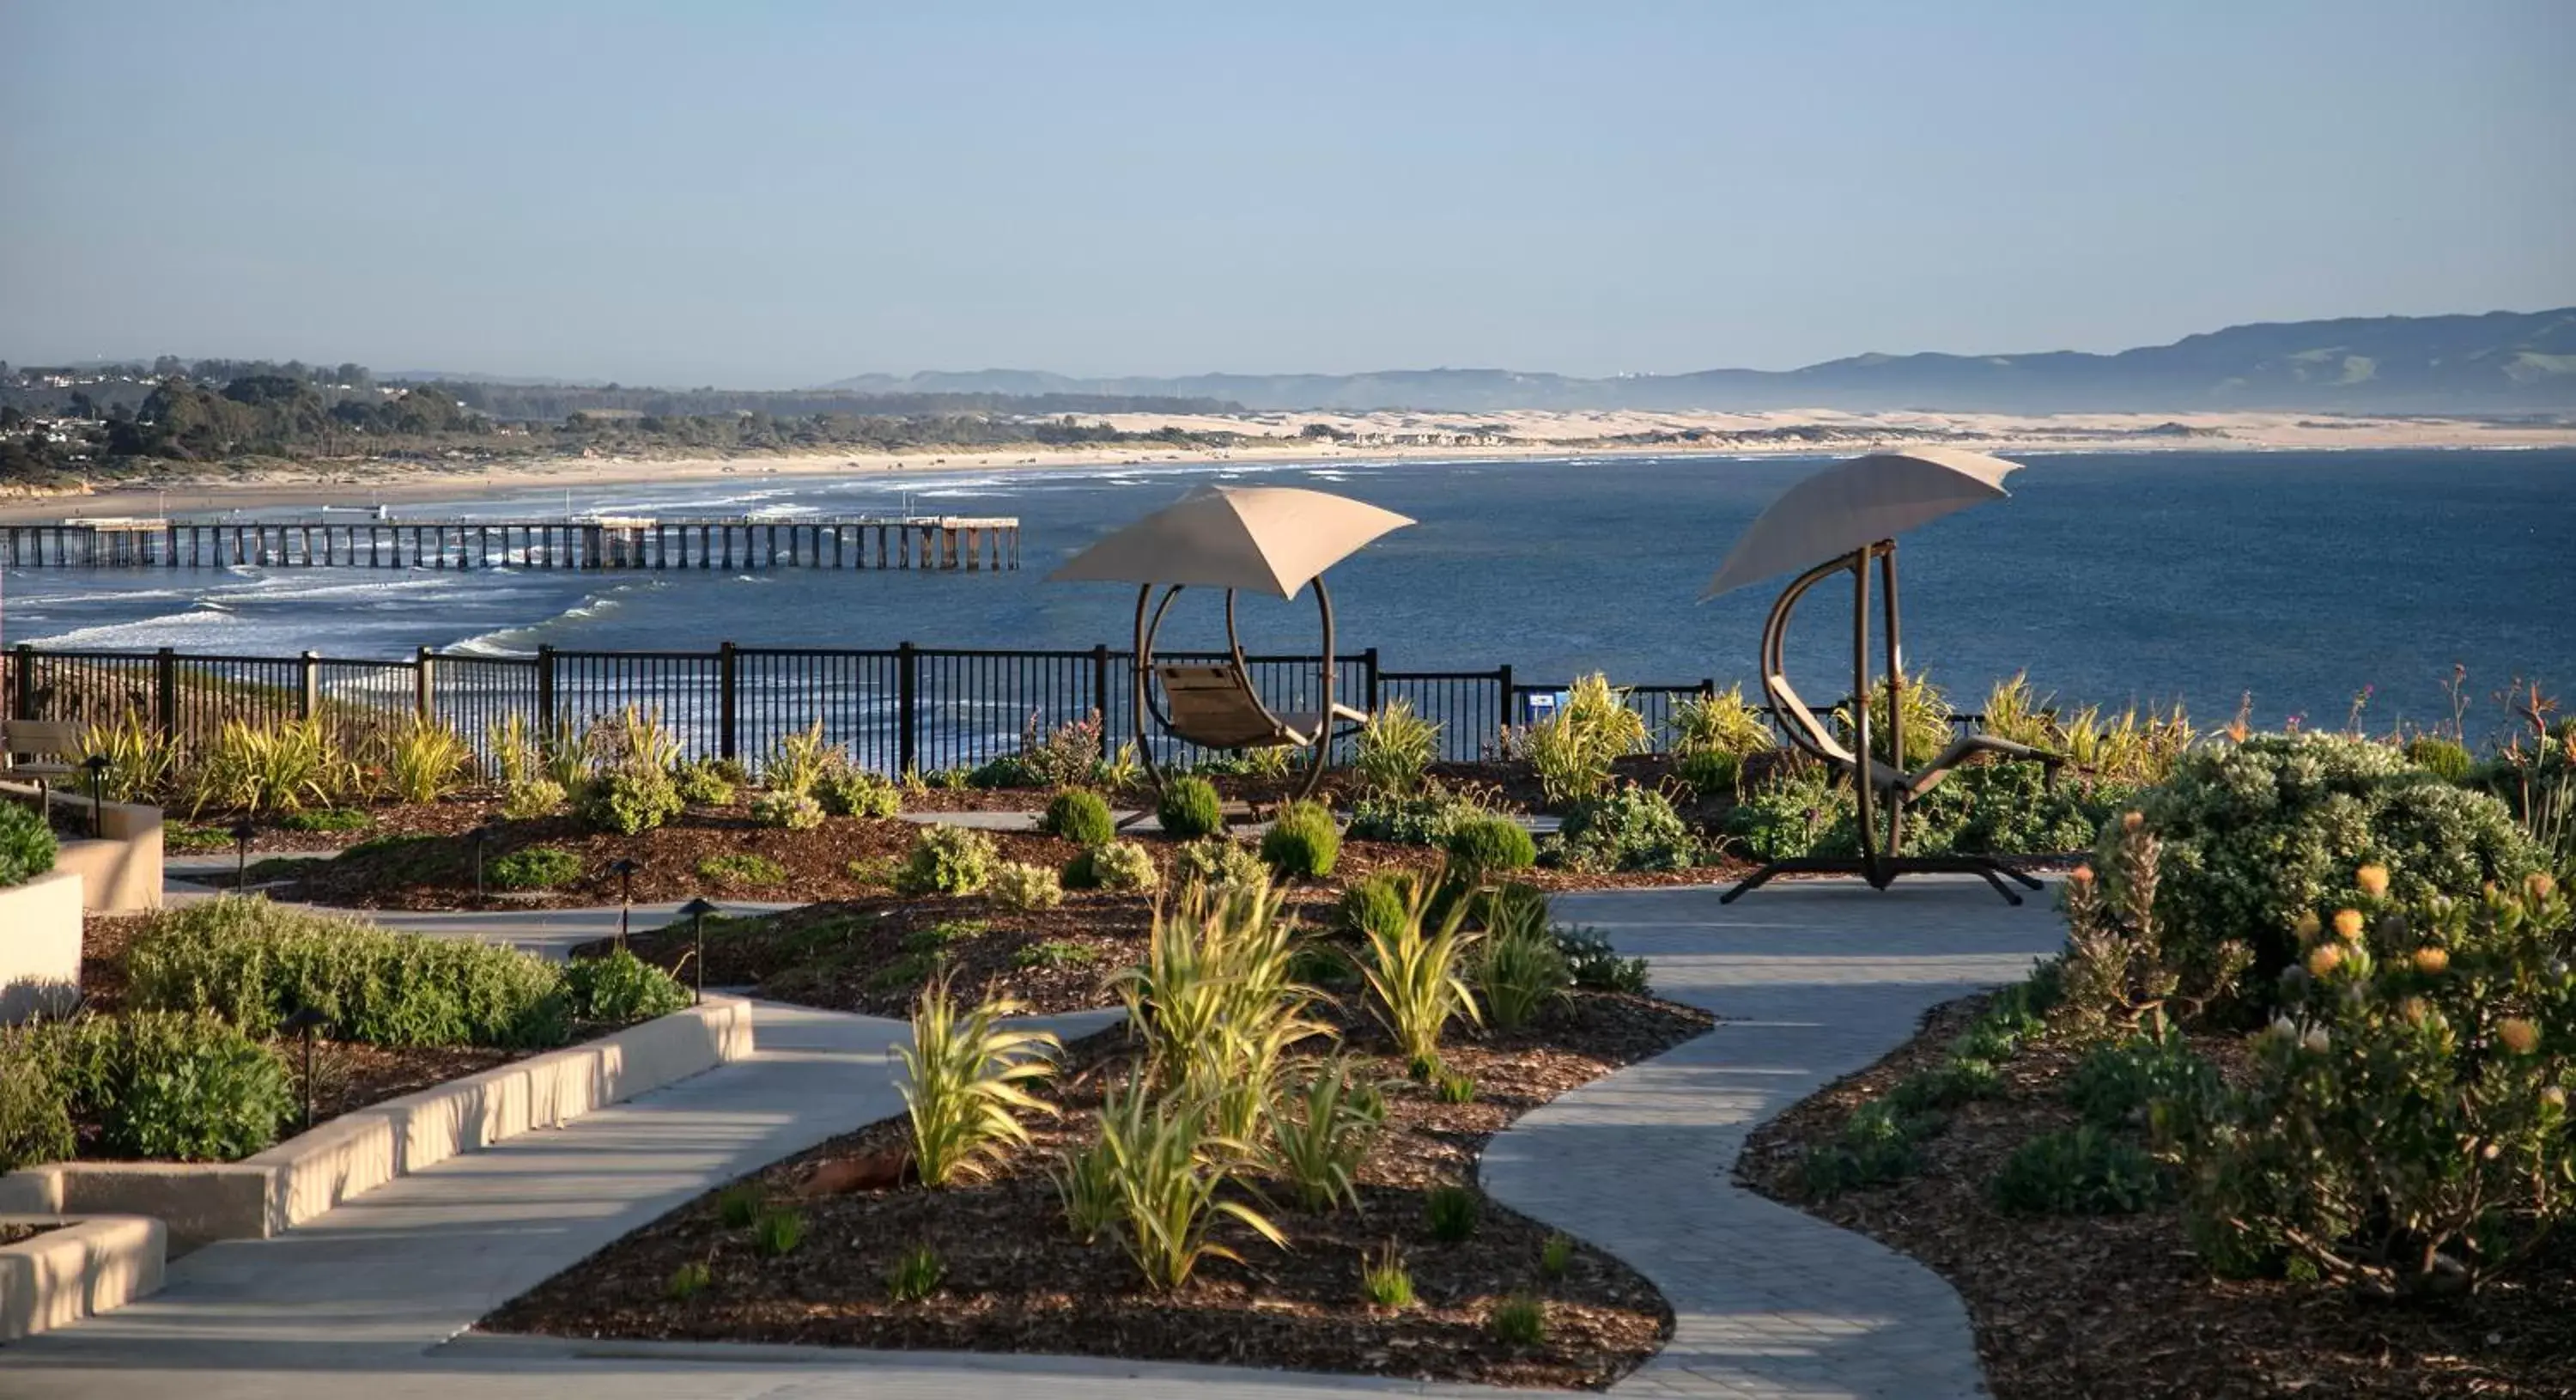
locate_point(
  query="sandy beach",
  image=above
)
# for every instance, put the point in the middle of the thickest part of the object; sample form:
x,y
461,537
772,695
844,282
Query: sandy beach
x,y
1379,436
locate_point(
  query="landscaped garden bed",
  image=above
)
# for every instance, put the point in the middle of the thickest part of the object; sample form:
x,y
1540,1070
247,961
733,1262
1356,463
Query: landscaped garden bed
x,y
2288,1116
186,1045
845,1245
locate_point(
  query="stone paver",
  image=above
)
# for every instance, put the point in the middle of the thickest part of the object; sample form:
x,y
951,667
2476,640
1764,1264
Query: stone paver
x,y
1817,978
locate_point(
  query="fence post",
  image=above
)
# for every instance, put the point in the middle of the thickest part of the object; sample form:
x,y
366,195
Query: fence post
x,y
907,675
1503,675
23,704
1100,691
423,672
1368,659
545,691
165,693
308,689
727,711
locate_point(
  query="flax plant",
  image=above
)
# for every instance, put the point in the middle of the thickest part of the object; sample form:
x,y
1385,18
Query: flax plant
x,y
1574,748
1396,748
1412,971
963,1074
1168,1170
139,761
424,760
799,761
1217,1001
275,768
1319,1144
1723,722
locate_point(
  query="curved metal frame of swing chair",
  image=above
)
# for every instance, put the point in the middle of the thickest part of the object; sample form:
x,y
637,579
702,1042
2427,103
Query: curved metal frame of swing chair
x,y
1888,786
1319,745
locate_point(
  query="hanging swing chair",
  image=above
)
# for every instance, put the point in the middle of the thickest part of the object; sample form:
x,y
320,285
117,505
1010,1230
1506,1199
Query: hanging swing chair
x,y
1264,539
1849,515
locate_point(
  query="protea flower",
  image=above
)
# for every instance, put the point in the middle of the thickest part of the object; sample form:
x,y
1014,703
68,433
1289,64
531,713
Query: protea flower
x,y
2519,1036
2324,959
2082,875
2373,880
2347,925
2539,884
2131,821
2432,962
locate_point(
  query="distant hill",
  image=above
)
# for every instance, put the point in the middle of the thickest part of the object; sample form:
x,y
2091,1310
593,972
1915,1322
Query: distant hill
x,y
2501,362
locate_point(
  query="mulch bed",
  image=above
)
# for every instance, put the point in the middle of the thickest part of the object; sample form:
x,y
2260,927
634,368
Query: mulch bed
x,y
1014,1280
2119,1307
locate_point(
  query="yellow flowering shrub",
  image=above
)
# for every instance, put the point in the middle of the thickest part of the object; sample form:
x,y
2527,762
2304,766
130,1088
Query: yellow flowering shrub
x,y
2406,1127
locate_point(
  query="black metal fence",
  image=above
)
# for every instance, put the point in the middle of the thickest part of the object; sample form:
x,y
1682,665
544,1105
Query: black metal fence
x,y
905,708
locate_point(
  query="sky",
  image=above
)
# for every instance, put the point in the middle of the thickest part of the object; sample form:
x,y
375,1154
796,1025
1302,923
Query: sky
x,y
761,193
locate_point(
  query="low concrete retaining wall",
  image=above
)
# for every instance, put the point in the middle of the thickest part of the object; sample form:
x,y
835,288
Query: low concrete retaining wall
x,y
85,1268
357,1152
40,946
121,868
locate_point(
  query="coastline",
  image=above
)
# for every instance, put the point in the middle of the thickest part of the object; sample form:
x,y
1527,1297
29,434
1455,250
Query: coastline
x,y
1378,439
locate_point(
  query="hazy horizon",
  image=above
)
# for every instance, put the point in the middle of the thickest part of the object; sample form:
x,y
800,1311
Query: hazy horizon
x,y
785,194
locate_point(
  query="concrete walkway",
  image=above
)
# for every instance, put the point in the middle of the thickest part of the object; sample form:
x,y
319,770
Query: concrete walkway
x,y
1818,978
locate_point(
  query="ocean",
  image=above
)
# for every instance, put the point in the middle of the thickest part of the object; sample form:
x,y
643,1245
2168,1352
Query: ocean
x,y
2302,579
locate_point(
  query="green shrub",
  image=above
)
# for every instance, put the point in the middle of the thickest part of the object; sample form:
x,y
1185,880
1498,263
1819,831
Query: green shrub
x,y
535,797
1190,808
946,860
857,792
2010,809
325,819
1519,1320
1796,813
2081,1171
2448,761
941,936
799,760
1594,966
1115,865
1520,970
1384,1281
1053,953
1068,755
739,1204
2405,1128
2117,1085
26,843
1927,722
1396,748
1490,845
1302,842
191,838
688,1281
1007,771
2256,834
629,801
1452,1212
1710,774
778,1231
795,811
1025,887
742,870
533,868
1574,748
1080,816
1375,903
1454,1087
701,782
1874,1146
1633,828
1556,1256
1956,1080
1218,861
914,1275
35,1112
1423,819
168,1086
619,988
254,963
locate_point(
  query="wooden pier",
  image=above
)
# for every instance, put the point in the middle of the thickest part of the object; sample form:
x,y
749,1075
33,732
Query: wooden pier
x,y
966,544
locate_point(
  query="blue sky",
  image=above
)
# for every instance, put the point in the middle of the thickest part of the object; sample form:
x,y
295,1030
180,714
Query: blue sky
x,y
779,193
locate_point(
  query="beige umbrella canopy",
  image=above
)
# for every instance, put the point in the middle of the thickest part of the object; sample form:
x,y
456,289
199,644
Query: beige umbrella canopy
x,y
1851,505
1271,539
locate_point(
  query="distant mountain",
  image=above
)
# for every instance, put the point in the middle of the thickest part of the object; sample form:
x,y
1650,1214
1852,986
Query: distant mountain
x,y
2501,362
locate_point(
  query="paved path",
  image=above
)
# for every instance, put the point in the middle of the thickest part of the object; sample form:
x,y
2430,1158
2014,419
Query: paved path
x,y
1817,978
1821,978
